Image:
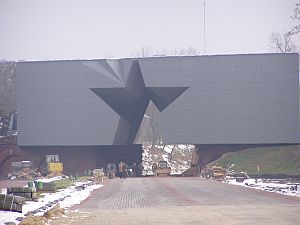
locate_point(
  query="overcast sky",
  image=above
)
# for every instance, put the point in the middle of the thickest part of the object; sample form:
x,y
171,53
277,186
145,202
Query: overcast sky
x,y
87,29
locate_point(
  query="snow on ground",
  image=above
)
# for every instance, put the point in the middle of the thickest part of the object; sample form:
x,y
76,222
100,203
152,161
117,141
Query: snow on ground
x,y
291,189
178,157
48,180
65,197
168,148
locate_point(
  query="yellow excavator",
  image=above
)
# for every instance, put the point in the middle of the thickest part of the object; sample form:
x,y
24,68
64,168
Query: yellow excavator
x,y
52,164
163,169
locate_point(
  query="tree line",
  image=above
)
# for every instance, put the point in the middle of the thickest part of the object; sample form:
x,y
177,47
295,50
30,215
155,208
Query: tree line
x,y
7,88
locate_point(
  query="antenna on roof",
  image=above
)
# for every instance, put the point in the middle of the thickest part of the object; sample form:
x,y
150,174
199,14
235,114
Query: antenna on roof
x,y
204,51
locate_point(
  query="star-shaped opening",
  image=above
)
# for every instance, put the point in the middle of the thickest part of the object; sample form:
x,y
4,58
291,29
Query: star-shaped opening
x,y
130,102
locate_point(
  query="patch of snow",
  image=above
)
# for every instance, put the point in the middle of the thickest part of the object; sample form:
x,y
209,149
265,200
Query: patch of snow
x,y
168,148
165,158
71,196
77,197
178,164
48,180
291,189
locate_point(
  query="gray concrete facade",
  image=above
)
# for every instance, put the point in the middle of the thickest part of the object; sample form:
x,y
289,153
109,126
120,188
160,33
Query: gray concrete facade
x,y
226,99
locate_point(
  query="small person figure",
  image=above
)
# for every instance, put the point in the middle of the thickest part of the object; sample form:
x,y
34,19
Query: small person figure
x,y
134,169
154,167
111,170
140,170
122,169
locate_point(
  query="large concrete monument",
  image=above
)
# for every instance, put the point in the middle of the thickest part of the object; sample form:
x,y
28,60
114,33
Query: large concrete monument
x,y
226,99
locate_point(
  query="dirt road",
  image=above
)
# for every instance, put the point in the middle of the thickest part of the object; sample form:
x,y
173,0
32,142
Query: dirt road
x,y
182,201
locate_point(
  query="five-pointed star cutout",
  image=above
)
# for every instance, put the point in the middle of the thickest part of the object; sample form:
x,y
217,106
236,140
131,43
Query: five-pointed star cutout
x,y
130,102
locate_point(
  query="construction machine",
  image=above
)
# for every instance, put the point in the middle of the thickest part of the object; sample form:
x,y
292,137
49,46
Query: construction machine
x,y
218,172
163,169
52,165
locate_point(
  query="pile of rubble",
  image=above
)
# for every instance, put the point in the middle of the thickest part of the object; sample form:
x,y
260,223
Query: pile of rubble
x,y
22,170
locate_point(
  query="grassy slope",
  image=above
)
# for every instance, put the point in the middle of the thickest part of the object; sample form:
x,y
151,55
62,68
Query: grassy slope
x,y
271,160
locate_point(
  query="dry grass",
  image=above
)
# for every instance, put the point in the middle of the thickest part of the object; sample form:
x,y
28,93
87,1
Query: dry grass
x,y
270,160
34,220
55,212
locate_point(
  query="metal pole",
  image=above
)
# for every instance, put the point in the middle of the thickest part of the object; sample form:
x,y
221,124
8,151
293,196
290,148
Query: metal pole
x,y
204,51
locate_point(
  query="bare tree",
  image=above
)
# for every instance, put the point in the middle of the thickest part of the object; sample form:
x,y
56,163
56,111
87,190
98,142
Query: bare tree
x,y
148,52
189,51
296,17
144,51
109,55
282,42
171,153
